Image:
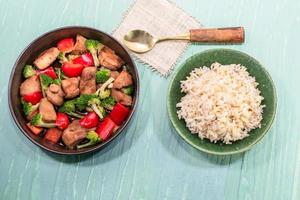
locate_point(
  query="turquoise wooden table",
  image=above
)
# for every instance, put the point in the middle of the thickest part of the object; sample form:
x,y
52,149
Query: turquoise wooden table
x,y
150,161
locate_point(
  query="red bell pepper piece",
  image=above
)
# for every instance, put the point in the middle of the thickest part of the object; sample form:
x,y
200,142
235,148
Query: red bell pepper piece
x,y
72,70
53,135
66,45
85,59
35,130
62,120
105,128
48,71
119,113
33,98
91,120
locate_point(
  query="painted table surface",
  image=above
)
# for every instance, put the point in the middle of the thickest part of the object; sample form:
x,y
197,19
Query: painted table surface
x,y
150,161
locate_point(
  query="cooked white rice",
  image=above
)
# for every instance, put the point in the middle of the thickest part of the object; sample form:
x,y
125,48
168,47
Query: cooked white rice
x,y
222,103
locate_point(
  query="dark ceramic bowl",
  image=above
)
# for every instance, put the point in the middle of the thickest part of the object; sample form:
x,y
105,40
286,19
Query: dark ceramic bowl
x,y
32,51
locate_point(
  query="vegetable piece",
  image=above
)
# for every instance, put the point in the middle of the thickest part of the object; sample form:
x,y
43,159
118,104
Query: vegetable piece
x,y
35,130
28,108
71,70
104,94
66,45
91,120
119,114
57,81
85,59
28,71
62,121
38,121
95,104
106,128
101,91
93,138
93,46
82,101
53,135
69,108
128,90
45,82
60,76
62,57
102,75
33,98
49,72
108,103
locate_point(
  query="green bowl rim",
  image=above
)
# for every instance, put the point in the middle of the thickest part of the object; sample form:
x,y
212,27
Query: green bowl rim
x,y
229,152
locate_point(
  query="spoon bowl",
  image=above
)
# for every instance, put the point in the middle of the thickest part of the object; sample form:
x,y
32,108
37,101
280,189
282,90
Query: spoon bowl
x,y
139,41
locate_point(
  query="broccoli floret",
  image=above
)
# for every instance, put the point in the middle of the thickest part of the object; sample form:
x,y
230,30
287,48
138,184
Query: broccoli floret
x,y
69,108
108,103
28,108
71,56
45,82
104,94
60,76
128,90
101,90
102,75
93,138
82,101
62,57
28,71
38,121
95,104
57,81
93,46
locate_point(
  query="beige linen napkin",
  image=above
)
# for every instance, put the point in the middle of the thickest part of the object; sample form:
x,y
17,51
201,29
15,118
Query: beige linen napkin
x,y
159,18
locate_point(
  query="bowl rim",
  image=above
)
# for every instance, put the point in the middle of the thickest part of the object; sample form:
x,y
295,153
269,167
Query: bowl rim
x,y
246,148
100,145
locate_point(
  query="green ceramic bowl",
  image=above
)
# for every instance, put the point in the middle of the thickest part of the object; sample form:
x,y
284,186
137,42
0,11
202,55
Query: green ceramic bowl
x,y
223,56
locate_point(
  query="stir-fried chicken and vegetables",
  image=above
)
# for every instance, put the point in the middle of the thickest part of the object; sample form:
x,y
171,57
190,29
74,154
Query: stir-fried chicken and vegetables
x,y
76,94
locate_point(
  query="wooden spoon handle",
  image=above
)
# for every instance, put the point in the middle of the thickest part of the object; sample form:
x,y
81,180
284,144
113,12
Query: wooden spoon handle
x,y
218,35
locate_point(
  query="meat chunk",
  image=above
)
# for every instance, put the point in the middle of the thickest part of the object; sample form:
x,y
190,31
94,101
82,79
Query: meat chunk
x,y
88,80
30,86
121,97
123,80
55,94
47,110
70,87
114,74
46,58
79,45
109,59
74,134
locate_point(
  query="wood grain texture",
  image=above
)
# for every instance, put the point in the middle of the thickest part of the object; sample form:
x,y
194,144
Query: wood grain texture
x,y
150,161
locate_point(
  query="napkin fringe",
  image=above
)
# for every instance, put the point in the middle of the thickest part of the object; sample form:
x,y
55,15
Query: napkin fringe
x,y
165,75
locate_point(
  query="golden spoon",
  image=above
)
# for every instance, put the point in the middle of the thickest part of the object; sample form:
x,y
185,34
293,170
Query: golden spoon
x,y
141,41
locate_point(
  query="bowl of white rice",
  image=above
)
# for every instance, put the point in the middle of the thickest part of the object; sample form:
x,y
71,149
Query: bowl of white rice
x,y
222,101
